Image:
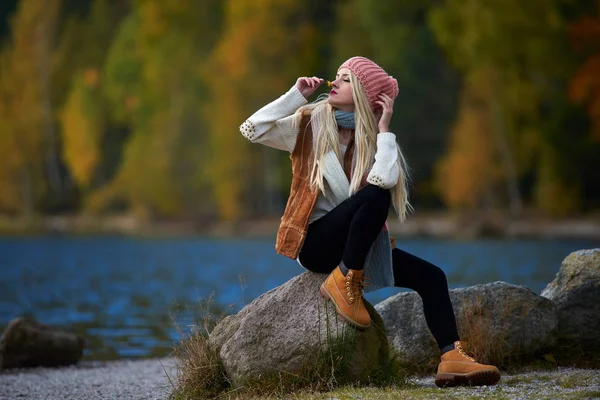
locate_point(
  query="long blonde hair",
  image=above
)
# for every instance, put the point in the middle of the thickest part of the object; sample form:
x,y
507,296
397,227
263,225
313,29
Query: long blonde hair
x,y
326,138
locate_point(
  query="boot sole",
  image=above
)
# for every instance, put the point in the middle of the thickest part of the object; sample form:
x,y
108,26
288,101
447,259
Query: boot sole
x,y
327,296
477,378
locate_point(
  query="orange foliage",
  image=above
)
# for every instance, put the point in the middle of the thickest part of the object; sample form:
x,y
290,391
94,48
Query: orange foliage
x,y
257,59
467,174
584,88
91,77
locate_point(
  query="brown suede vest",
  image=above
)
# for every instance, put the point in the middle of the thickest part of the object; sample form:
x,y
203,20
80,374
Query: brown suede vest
x,y
300,204
302,200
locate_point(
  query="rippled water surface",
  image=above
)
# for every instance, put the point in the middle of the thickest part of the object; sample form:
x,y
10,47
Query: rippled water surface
x,y
125,296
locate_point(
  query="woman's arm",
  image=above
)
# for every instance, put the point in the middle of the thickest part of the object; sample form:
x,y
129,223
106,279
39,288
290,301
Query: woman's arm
x,y
272,124
385,172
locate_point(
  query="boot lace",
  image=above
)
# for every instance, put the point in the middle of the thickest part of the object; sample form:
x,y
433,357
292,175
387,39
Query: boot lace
x,y
355,287
462,352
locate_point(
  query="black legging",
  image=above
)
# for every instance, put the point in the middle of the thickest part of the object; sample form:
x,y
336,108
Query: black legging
x,y
346,234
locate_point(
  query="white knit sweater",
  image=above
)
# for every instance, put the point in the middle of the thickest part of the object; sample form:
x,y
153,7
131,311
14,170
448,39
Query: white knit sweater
x,y
272,126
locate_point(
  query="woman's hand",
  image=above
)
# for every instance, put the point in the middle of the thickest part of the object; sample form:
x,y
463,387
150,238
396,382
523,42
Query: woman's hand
x,y
308,86
387,105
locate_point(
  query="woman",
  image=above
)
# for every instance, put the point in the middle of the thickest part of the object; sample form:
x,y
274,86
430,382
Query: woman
x,y
347,171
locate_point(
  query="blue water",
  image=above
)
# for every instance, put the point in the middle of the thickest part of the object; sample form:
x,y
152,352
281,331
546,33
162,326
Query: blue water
x,y
126,296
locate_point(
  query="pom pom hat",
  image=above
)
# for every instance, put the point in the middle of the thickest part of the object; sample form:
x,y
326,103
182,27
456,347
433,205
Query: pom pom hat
x,y
373,79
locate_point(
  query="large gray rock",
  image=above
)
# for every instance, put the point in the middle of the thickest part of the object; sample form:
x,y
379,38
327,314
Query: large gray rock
x,y
27,343
285,329
497,321
576,293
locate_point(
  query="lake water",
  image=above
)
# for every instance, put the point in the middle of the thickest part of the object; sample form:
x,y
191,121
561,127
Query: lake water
x,y
126,295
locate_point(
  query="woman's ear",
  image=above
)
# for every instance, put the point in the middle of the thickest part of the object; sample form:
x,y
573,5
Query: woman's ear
x,y
378,112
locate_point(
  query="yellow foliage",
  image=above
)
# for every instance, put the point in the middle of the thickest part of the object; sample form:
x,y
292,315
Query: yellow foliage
x,y
25,105
82,128
257,59
469,170
466,172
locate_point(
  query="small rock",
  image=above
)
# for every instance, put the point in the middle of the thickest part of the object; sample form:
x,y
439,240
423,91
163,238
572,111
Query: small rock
x,y
26,343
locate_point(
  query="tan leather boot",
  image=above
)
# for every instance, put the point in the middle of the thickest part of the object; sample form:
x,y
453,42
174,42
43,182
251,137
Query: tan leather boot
x,y
346,293
457,368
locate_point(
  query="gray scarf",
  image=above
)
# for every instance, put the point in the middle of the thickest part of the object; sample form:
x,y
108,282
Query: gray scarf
x,y
345,119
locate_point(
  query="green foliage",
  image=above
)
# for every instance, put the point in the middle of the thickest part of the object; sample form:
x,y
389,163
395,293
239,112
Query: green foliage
x,y
153,84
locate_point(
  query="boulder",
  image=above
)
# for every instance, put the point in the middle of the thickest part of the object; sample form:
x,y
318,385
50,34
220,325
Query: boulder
x,y
27,343
496,321
576,293
286,329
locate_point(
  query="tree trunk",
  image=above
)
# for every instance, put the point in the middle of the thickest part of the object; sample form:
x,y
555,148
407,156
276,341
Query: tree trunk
x,y
46,36
501,136
27,195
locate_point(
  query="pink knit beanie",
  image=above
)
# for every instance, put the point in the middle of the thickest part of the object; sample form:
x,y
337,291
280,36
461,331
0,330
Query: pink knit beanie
x,y
373,79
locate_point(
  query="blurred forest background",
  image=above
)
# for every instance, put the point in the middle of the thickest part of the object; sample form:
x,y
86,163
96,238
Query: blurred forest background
x,y
133,107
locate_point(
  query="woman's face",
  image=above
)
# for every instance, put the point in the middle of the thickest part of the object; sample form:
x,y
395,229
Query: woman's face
x,y
340,96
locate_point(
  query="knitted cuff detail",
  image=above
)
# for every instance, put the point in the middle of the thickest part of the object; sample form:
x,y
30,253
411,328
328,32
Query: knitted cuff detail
x,y
375,180
248,130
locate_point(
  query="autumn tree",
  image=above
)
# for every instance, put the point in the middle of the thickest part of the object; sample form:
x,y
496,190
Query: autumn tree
x,y
265,46
469,172
584,91
15,189
396,35
585,84
522,47
31,176
153,83
89,144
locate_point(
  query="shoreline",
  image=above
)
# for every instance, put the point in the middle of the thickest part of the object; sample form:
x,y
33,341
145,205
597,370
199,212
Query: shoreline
x,y
147,379
433,225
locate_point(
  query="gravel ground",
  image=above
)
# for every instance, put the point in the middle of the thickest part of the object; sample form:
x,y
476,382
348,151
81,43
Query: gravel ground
x,y
146,379
561,383
123,380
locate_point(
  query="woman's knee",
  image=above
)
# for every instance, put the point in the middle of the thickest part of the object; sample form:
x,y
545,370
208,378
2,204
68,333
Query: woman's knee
x,y
372,194
438,276
434,285
415,273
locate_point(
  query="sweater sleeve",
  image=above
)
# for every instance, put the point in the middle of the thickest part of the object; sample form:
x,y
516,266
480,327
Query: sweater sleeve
x,y
272,124
385,171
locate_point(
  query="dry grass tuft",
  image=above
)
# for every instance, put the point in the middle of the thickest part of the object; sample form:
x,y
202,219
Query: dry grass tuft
x,y
200,373
482,340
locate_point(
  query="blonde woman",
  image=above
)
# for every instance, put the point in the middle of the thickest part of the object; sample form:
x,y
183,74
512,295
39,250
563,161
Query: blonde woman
x,y
347,170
